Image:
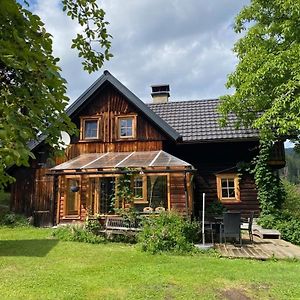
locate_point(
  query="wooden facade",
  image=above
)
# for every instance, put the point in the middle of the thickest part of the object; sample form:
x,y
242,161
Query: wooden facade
x,y
37,192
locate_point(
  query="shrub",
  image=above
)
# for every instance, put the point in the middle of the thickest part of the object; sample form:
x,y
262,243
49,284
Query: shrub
x,y
4,198
77,233
291,203
168,232
13,220
93,225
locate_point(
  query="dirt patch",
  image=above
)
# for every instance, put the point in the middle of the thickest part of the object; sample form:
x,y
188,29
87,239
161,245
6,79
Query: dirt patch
x,y
234,294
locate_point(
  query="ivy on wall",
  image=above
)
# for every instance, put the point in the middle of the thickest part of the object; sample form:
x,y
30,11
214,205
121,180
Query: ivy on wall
x,y
271,193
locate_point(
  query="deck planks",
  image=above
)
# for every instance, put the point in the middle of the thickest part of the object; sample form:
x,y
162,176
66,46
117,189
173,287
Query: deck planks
x,y
261,249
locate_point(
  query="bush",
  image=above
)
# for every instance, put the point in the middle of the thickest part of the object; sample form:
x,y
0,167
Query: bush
x,y
13,220
290,230
292,200
4,198
168,232
93,225
77,233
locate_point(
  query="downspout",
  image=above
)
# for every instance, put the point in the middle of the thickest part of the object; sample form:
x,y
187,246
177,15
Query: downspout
x,y
186,194
54,199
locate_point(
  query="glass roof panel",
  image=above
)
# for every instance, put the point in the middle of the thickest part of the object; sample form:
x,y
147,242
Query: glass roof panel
x,y
165,159
110,160
121,160
77,162
139,159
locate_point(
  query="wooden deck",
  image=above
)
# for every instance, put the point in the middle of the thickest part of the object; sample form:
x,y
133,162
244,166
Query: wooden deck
x,y
261,249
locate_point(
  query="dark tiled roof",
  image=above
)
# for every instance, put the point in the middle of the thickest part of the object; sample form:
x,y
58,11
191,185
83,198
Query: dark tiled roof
x,y
198,121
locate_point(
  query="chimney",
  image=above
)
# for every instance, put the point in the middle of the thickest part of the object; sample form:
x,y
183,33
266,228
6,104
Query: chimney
x,y
160,93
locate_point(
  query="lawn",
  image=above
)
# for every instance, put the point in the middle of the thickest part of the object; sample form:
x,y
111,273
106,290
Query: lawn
x,y
34,266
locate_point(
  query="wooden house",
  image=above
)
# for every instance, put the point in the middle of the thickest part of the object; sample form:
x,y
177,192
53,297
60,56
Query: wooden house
x,y
174,151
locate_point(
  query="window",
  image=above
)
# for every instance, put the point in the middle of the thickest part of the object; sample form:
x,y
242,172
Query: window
x,y
127,127
90,128
101,192
228,188
139,189
157,190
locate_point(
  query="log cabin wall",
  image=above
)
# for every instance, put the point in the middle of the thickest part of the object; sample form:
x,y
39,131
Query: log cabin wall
x,y
32,192
108,104
213,158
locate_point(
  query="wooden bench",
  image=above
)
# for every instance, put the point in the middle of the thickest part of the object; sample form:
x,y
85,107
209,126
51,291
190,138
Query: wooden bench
x,y
117,225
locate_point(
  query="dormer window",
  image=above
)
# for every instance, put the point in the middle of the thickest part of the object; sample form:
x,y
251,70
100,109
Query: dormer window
x,y
90,128
126,127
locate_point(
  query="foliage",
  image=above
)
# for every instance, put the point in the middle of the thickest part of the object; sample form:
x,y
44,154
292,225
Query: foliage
x,y
291,171
287,219
13,220
91,16
266,80
271,193
32,92
291,202
130,216
77,233
4,198
92,225
168,232
215,208
124,192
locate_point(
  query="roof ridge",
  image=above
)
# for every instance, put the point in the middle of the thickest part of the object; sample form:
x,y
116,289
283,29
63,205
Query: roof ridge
x,y
185,101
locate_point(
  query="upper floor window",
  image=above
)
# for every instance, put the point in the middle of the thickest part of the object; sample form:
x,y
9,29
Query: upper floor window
x,y
90,128
228,188
127,127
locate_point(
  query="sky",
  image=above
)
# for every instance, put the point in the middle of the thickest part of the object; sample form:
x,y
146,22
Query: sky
x,y
187,44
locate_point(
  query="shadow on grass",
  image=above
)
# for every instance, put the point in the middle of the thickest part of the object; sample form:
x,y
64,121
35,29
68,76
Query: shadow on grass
x,y
37,248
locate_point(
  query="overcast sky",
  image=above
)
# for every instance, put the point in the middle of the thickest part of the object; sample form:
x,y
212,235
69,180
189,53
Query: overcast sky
x,y
187,44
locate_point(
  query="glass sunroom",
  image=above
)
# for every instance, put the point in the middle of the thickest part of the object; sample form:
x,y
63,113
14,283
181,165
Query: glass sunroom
x,y
88,184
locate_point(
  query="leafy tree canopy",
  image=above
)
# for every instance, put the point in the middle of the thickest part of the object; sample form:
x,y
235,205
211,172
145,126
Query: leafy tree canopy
x,y
267,78
32,92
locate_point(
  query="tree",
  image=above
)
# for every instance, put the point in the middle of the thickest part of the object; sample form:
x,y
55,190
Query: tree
x,y
267,77
32,92
267,84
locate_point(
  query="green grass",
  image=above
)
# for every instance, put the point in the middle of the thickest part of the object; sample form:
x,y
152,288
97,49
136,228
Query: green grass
x,y
34,266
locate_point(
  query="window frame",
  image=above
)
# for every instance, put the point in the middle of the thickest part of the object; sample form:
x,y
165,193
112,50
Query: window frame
x,y
144,199
134,127
235,178
83,120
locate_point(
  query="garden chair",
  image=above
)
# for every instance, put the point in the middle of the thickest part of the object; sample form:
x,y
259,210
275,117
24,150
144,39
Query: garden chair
x,y
231,227
248,226
159,209
147,209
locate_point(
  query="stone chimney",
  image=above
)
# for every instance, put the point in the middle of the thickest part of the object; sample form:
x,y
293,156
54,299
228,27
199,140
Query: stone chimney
x,y
160,93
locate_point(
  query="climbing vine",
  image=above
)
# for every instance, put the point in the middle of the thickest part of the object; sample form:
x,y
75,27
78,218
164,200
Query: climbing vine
x,y
124,192
270,189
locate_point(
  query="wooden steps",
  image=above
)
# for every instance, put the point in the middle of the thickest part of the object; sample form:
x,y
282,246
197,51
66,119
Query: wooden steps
x,y
266,233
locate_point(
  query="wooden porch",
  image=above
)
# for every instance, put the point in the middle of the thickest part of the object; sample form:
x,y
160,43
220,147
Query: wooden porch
x,y
261,249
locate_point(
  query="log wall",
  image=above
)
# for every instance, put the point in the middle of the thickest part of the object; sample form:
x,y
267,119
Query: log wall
x,y
215,158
